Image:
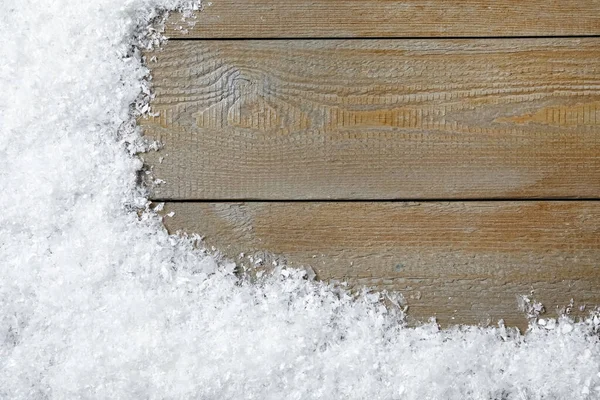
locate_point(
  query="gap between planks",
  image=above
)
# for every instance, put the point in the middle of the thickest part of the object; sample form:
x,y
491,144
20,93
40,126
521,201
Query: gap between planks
x,y
482,200
238,39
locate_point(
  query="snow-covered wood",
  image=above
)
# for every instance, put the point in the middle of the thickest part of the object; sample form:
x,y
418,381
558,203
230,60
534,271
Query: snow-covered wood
x,y
98,302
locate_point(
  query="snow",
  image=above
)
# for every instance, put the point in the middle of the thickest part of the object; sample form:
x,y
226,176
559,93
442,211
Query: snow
x,y
98,301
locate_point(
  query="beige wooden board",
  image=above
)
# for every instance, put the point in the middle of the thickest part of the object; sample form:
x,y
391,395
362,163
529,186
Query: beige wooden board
x,y
377,119
464,262
390,18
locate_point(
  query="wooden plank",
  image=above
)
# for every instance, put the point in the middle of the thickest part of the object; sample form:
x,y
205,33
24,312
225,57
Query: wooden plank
x,y
377,119
464,262
390,18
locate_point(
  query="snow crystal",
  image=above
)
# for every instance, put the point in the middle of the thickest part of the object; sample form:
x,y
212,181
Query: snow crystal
x,y
98,301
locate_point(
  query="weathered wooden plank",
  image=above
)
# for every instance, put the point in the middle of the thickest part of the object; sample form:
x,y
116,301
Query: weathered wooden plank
x,y
390,18
464,262
383,119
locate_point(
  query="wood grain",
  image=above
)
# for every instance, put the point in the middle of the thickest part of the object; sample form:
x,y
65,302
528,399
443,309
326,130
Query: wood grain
x,y
376,119
390,18
462,262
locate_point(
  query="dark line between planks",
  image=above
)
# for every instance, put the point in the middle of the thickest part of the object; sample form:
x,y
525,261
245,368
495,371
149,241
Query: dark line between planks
x,y
441,200
389,38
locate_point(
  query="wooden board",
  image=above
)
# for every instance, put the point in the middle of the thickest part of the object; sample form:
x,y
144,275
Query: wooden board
x,y
462,262
390,18
377,119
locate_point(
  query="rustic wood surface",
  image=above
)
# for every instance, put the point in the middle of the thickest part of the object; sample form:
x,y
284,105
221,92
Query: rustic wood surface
x,y
376,119
390,18
464,262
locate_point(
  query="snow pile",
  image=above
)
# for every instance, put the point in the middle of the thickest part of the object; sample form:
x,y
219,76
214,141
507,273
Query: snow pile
x,y
98,302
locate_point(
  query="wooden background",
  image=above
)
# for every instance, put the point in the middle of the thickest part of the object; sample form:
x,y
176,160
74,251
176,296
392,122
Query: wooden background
x,y
448,150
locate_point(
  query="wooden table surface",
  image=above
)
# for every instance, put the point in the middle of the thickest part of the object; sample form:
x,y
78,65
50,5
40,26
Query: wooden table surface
x,y
446,150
